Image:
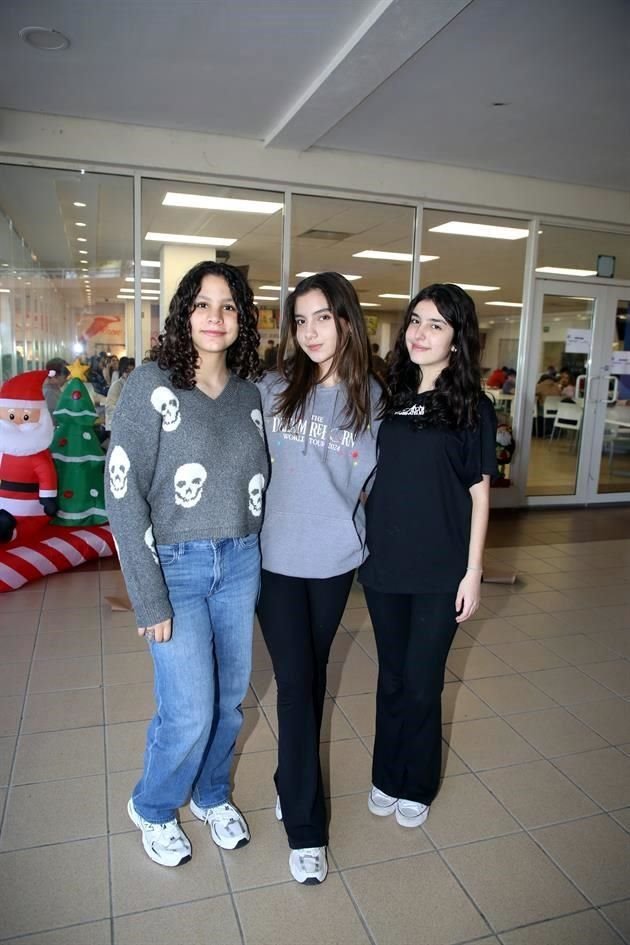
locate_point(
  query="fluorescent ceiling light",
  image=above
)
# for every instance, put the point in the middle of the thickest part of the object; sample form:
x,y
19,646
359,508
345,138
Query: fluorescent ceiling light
x,y
265,298
78,223
277,288
477,288
394,257
81,239
201,202
369,304
150,263
5,291
567,272
460,228
144,279
506,304
393,295
83,252
305,275
77,203
190,240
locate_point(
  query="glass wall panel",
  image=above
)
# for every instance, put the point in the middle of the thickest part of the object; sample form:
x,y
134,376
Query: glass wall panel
x,y
184,223
614,474
561,248
65,248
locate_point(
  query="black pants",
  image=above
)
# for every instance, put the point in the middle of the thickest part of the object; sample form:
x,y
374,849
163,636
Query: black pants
x,y
299,618
413,634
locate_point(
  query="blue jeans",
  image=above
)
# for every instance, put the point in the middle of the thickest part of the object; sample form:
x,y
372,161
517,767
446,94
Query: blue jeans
x,y
201,675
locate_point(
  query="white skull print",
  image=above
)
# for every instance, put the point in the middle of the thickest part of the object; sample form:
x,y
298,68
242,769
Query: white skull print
x,y
258,421
167,405
255,489
189,481
149,540
119,466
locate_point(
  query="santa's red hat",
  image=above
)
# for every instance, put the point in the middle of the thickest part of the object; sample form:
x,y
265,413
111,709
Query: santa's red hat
x,y
25,390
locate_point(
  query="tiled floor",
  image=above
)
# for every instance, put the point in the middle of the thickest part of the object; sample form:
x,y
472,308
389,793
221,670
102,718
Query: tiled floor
x,y
527,844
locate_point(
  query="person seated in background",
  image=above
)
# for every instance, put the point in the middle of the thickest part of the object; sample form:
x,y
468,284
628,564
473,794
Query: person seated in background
x,y
546,387
496,379
566,382
95,374
270,355
378,364
509,383
125,368
110,371
551,371
57,373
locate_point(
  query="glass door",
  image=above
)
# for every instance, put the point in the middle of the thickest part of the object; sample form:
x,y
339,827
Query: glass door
x,y
611,460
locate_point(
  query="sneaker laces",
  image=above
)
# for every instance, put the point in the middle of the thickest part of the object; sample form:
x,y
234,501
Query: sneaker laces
x,y
168,833
225,814
310,859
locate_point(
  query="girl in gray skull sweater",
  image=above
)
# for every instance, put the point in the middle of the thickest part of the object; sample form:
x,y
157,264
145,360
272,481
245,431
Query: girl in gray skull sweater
x,y
186,470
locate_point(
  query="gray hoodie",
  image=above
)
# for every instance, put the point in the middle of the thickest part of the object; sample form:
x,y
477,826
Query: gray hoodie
x,y
314,525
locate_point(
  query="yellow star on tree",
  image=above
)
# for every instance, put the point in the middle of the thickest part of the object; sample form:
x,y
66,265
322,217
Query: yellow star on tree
x,y
78,370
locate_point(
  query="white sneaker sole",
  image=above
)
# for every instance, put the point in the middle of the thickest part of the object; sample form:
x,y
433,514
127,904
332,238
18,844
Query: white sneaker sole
x,y
380,811
148,848
200,814
411,821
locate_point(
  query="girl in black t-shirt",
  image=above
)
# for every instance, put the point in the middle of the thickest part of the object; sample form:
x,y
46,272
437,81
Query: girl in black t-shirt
x,y
427,516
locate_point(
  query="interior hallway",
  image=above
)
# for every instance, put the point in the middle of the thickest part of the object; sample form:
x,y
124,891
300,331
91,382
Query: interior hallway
x,y
527,844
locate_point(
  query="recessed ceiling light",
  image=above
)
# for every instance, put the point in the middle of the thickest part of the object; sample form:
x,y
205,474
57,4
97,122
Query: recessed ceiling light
x,y
305,275
461,228
83,252
393,257
265,298
202,202
190,240
477,288
277,288
369,305
566,272
143,279
78,223
506,304
5,291
44,38
81,239
393,295
150,263
77,203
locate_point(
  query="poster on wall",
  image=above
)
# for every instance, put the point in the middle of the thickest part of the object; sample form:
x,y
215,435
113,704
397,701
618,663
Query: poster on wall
x,y
578,341
104,331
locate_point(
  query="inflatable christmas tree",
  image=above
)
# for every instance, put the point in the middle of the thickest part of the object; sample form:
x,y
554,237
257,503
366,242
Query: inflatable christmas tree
x,y
79,459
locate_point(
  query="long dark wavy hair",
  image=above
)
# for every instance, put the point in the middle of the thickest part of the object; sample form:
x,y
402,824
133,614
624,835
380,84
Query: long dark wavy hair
x,y
175,351
352,361
455,400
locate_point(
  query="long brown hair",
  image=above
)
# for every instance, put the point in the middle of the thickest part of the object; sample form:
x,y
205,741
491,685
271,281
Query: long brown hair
x,y
352,361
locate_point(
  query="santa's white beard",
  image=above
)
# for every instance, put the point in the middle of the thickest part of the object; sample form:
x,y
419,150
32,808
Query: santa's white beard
x,y
24,439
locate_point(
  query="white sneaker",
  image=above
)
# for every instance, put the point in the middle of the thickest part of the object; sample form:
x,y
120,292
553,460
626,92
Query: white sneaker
x,y
228,828
380,803
166,844
309,865
411,813
278,808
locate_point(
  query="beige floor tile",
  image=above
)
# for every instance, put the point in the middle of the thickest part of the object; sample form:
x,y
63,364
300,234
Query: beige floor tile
x,y
488,743
22,601
366,641
260,655
342,643
476,662
552,601
622,817
11,623
70,708
579,648
285,914
253,780
615,675
567,684
619,914
3,796
132,703
537,794
10,714
79,618
17,648
584,927
460,704
123,640
264,861
67,644
78,806
121,669
120,784
388,895
356,598
482,613
463,639
604,775
357,837
125,745
90,933
136,880
57,599
624,748
506,694
526,656
617,640
610,719
264,685
346,767
50,675
594,853
494,630
451,764
256,733
70,880
48,756
465,810
360,709
7,747
538,626
512,882
510,607
357,618
13,678
356,674
190,922
118,618
556,732
614,617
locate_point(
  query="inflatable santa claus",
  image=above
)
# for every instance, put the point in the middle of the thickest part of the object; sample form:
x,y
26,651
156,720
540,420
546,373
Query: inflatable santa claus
x,y
28,479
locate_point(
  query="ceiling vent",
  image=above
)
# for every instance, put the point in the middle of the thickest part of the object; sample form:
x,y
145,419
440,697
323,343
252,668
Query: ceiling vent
x,y
333,236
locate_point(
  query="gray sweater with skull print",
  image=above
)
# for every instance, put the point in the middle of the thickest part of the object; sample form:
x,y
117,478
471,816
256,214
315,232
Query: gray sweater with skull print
x,y
181,466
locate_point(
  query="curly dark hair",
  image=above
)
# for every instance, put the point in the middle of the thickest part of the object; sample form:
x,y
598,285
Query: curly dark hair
x,y
175,351
455,400
352,361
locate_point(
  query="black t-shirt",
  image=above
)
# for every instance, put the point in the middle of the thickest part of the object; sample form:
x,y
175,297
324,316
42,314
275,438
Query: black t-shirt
x,y
418,512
